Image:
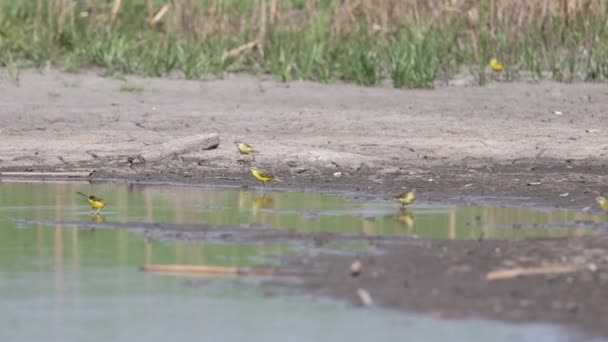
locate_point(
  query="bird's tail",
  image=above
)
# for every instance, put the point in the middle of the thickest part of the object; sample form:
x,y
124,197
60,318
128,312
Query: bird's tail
x,y
81,194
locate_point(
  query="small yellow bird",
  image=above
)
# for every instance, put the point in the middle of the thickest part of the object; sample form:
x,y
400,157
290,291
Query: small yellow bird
x,y
603,202
245,149
496,65
96,203
406,198
263,176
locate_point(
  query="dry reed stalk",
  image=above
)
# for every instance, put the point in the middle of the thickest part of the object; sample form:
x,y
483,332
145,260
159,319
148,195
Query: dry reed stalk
x,y
274,11
50,13
350,12
151,12
161,13
64,11
258,42
417,14
491,17
391,14
543,12
115,10
262,33
310,7
38,12
189,16
210,24
238,50
177,10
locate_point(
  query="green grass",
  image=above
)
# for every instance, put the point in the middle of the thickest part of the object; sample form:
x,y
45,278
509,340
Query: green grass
x,y
324,46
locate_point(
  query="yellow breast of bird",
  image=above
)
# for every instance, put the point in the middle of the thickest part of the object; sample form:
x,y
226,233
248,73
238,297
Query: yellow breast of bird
x,y
96,204
603,204
408,199
497,66
245,149
261,176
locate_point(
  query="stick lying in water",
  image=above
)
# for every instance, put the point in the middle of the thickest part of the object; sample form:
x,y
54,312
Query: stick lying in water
x,y
76,174
207,270
517,272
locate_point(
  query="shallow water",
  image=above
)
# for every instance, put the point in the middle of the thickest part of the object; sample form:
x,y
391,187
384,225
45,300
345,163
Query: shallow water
x,y
303,211
72,283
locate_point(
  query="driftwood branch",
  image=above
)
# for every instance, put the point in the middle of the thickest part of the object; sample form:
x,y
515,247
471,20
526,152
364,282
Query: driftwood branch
x,y
518,272
20,174
201,270
176,147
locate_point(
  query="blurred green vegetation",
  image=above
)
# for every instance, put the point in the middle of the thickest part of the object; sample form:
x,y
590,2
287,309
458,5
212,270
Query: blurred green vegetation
x,y
413,44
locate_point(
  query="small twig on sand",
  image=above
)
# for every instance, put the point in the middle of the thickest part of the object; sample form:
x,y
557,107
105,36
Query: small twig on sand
x,y
538,156
520,271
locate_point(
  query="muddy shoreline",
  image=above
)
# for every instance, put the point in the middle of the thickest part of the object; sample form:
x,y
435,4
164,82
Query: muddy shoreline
x,y
447,279
515,144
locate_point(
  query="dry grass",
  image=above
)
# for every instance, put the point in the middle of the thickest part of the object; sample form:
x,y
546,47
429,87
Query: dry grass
x,y
293,38
379,16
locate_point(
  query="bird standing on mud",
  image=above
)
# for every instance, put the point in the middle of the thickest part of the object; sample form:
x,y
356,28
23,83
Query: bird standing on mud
x,y
406,198
245,149
96,203
263,176
603,203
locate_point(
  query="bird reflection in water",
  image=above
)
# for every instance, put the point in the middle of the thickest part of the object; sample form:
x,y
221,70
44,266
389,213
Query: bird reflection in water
x,y
406,218
261,202
98,219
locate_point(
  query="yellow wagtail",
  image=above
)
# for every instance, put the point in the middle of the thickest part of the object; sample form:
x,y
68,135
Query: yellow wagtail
x,y
245,149
496,65
603,202
263,176
406,198
96,203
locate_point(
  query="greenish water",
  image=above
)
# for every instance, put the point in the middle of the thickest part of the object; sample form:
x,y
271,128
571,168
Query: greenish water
x,y
303,212
69,283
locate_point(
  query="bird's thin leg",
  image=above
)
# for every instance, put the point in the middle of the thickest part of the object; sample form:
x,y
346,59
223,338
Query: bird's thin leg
x,y
253,156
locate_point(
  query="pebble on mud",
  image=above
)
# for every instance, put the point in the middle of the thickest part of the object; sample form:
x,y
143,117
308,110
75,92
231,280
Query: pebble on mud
x,y
356,268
